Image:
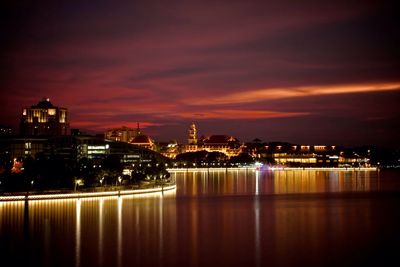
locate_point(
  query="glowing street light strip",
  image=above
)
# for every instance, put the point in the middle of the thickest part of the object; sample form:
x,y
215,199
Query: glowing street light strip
x,y
88,194
6,198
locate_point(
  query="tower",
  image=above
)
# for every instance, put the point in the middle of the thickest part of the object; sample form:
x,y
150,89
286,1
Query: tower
x,y
138,132
192,137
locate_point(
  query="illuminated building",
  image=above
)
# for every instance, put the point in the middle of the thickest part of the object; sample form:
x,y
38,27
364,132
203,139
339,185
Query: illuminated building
x,y
123,134
192,140
74,148
170,149
44,119
17,147
226,144
301,155
142,140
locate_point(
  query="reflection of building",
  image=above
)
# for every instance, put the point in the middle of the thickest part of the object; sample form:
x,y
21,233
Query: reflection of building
x,y
44,119
226,144
142,140
123,134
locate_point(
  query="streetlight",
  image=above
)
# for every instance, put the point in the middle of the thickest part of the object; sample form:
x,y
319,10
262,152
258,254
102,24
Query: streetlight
x,y
78,182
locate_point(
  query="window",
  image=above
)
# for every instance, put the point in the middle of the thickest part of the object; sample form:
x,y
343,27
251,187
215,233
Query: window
x,y
28,145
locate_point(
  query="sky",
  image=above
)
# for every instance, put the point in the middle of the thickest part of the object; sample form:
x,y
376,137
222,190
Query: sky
x,y
306,72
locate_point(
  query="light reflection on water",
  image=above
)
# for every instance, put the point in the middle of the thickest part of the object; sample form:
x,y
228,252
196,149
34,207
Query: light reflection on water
x,y
233,218
275,182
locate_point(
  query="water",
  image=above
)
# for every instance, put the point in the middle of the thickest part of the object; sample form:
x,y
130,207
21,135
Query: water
x,y
234,218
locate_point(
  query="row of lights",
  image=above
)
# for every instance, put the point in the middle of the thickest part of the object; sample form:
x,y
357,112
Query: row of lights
x,y
84,195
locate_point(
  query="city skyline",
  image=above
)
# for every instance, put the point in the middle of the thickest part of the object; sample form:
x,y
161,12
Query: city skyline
x,y
316,73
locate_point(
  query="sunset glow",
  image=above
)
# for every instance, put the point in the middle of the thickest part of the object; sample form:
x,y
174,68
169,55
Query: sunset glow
x,y
273,70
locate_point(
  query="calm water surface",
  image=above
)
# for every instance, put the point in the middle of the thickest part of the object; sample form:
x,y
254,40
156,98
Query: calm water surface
x,y
217,218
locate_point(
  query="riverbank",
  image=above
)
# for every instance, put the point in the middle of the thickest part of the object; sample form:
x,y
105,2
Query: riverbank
x,y
68,195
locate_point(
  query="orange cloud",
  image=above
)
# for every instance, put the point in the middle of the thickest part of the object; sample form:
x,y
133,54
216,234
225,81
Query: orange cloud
x,y
239,114
290,92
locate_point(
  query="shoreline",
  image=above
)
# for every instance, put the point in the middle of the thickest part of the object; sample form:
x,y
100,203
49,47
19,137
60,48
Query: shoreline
x,y
252,168
73,195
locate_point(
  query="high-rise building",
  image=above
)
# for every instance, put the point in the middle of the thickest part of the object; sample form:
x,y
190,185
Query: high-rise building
x,y
44,119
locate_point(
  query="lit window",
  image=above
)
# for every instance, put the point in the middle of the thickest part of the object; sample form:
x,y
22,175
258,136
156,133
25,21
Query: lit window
x,y
63,116
51,112
28,145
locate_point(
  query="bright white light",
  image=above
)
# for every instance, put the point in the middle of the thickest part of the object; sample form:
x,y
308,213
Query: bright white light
x,y
89,194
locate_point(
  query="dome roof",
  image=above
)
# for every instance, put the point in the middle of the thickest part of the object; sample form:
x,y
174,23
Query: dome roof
x,y
44,103
142,139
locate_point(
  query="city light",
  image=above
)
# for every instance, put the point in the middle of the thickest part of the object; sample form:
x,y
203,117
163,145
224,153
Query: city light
x,y
87,194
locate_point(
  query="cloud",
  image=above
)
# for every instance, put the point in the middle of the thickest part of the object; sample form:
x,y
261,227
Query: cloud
x,y
236,114
168,62
105,124
258,95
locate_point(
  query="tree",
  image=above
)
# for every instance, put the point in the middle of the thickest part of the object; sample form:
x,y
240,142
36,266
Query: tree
x,y
243,158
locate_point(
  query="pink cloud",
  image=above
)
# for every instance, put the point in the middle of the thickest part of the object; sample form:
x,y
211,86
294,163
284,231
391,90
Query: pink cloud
x,y
249,96
237,114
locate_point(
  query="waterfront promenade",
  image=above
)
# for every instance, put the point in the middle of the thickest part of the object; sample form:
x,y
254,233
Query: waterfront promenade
x,y
24,196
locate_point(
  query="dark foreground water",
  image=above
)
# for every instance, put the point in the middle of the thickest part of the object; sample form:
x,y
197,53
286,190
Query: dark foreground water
x,y
234,218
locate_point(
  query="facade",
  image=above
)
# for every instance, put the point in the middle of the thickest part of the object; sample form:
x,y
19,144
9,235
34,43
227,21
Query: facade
x,y
123,134
291,155
192,137
44,119
169,149
16,147
74,148
226,144
143,141
131,136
